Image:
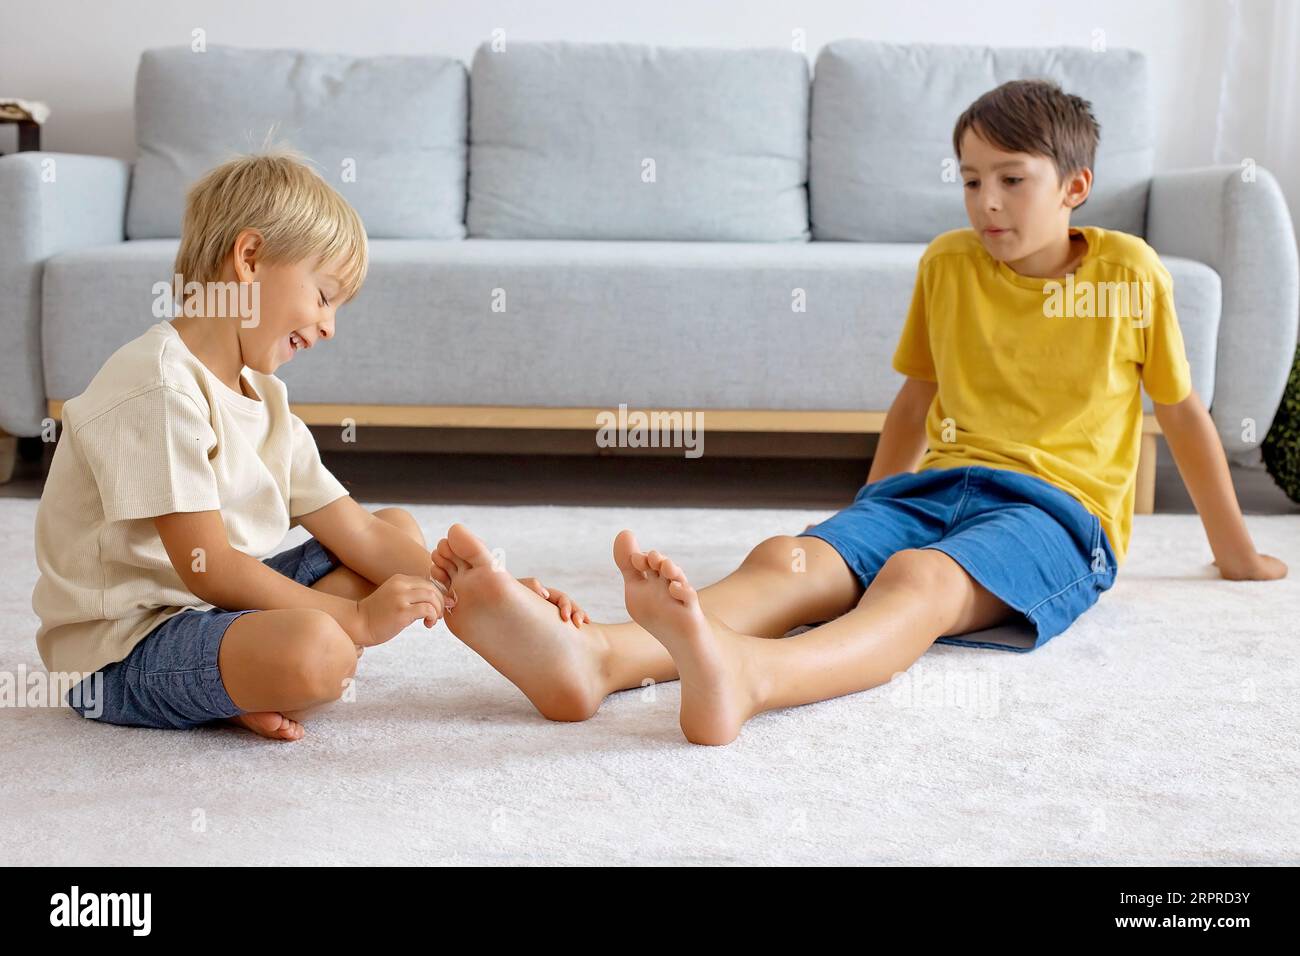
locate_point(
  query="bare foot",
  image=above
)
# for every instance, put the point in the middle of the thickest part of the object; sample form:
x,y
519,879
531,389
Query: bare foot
x,y
269,724
558,666
719,692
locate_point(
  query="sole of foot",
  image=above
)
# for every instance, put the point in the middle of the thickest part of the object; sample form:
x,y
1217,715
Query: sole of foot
x,y
556,664
718,695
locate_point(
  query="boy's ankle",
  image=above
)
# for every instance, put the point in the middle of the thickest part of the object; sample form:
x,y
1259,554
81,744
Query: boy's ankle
x,y
602,648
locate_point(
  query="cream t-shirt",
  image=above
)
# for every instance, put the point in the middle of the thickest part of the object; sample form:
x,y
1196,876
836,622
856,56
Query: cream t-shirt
x,y
154,433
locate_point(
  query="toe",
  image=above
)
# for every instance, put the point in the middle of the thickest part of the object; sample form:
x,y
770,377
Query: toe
x,y
272,725
455,564
466,546
444,567
679,590
625,547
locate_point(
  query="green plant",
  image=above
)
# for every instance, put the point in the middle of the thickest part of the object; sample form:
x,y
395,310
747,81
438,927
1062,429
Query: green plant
x,y
1281,448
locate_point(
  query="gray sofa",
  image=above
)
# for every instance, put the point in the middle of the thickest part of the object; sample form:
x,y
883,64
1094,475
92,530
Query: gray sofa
x,y
569,226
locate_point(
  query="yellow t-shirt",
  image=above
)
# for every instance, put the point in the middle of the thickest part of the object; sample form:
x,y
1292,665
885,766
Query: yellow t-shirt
x,y
1041,376
156,432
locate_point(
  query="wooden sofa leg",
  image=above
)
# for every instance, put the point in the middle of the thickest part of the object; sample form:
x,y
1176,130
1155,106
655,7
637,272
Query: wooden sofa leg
x,y
8,452
1145,495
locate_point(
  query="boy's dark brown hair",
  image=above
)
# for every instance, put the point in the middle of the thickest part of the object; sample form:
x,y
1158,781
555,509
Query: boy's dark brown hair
x,y
1034,116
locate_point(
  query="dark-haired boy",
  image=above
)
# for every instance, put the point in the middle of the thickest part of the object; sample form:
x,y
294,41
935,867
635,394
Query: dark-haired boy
x,y
1002,486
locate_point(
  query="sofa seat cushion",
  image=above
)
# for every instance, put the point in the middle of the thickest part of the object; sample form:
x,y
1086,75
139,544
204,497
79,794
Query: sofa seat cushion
x,y
574,323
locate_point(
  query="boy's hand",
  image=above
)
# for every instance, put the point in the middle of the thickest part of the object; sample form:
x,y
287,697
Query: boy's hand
x,y
399,601
569,610
1258,567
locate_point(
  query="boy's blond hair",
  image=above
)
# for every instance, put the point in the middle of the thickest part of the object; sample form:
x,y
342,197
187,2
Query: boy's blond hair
x,y
298,214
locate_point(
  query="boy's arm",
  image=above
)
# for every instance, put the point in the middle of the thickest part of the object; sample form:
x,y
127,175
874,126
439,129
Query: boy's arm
x,y
370,546
903,441
376,550
227,578
1196,448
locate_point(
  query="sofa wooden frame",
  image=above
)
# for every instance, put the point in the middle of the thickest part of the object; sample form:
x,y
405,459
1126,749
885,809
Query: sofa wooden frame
x,y
581,419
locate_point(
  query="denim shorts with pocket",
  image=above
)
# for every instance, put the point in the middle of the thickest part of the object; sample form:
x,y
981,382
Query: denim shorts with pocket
x,y
171,679
1029,543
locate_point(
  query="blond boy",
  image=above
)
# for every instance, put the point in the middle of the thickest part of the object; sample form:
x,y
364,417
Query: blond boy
x,y
181,466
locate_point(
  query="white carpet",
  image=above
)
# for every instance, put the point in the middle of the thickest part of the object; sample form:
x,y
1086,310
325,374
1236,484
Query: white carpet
x,y
1161,728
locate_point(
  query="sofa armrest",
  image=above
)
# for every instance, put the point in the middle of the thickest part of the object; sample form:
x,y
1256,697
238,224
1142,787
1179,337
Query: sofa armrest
x,y
1240,227
49,203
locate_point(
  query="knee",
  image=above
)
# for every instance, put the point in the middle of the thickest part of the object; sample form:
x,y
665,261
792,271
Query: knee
x,y
401,518
920,568
320,656
780,554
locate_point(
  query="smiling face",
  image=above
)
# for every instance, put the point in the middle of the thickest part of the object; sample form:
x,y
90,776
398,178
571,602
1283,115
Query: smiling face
x,y
1016,202
296,305
298,301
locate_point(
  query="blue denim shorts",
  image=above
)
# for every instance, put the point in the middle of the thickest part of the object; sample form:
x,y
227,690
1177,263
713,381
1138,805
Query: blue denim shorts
x,y
171,679
1029,543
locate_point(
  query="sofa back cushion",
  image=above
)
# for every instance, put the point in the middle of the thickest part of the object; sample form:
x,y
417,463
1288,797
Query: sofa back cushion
x,y
388,132
881,133
621,141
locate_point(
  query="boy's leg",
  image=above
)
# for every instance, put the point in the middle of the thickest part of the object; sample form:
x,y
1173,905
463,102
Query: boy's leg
x,y
344,582
257,667
784,582
566,671
277,666
728,676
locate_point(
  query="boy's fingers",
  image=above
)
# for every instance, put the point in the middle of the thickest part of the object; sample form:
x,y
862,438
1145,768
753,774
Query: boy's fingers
x,y
535,585
428,596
